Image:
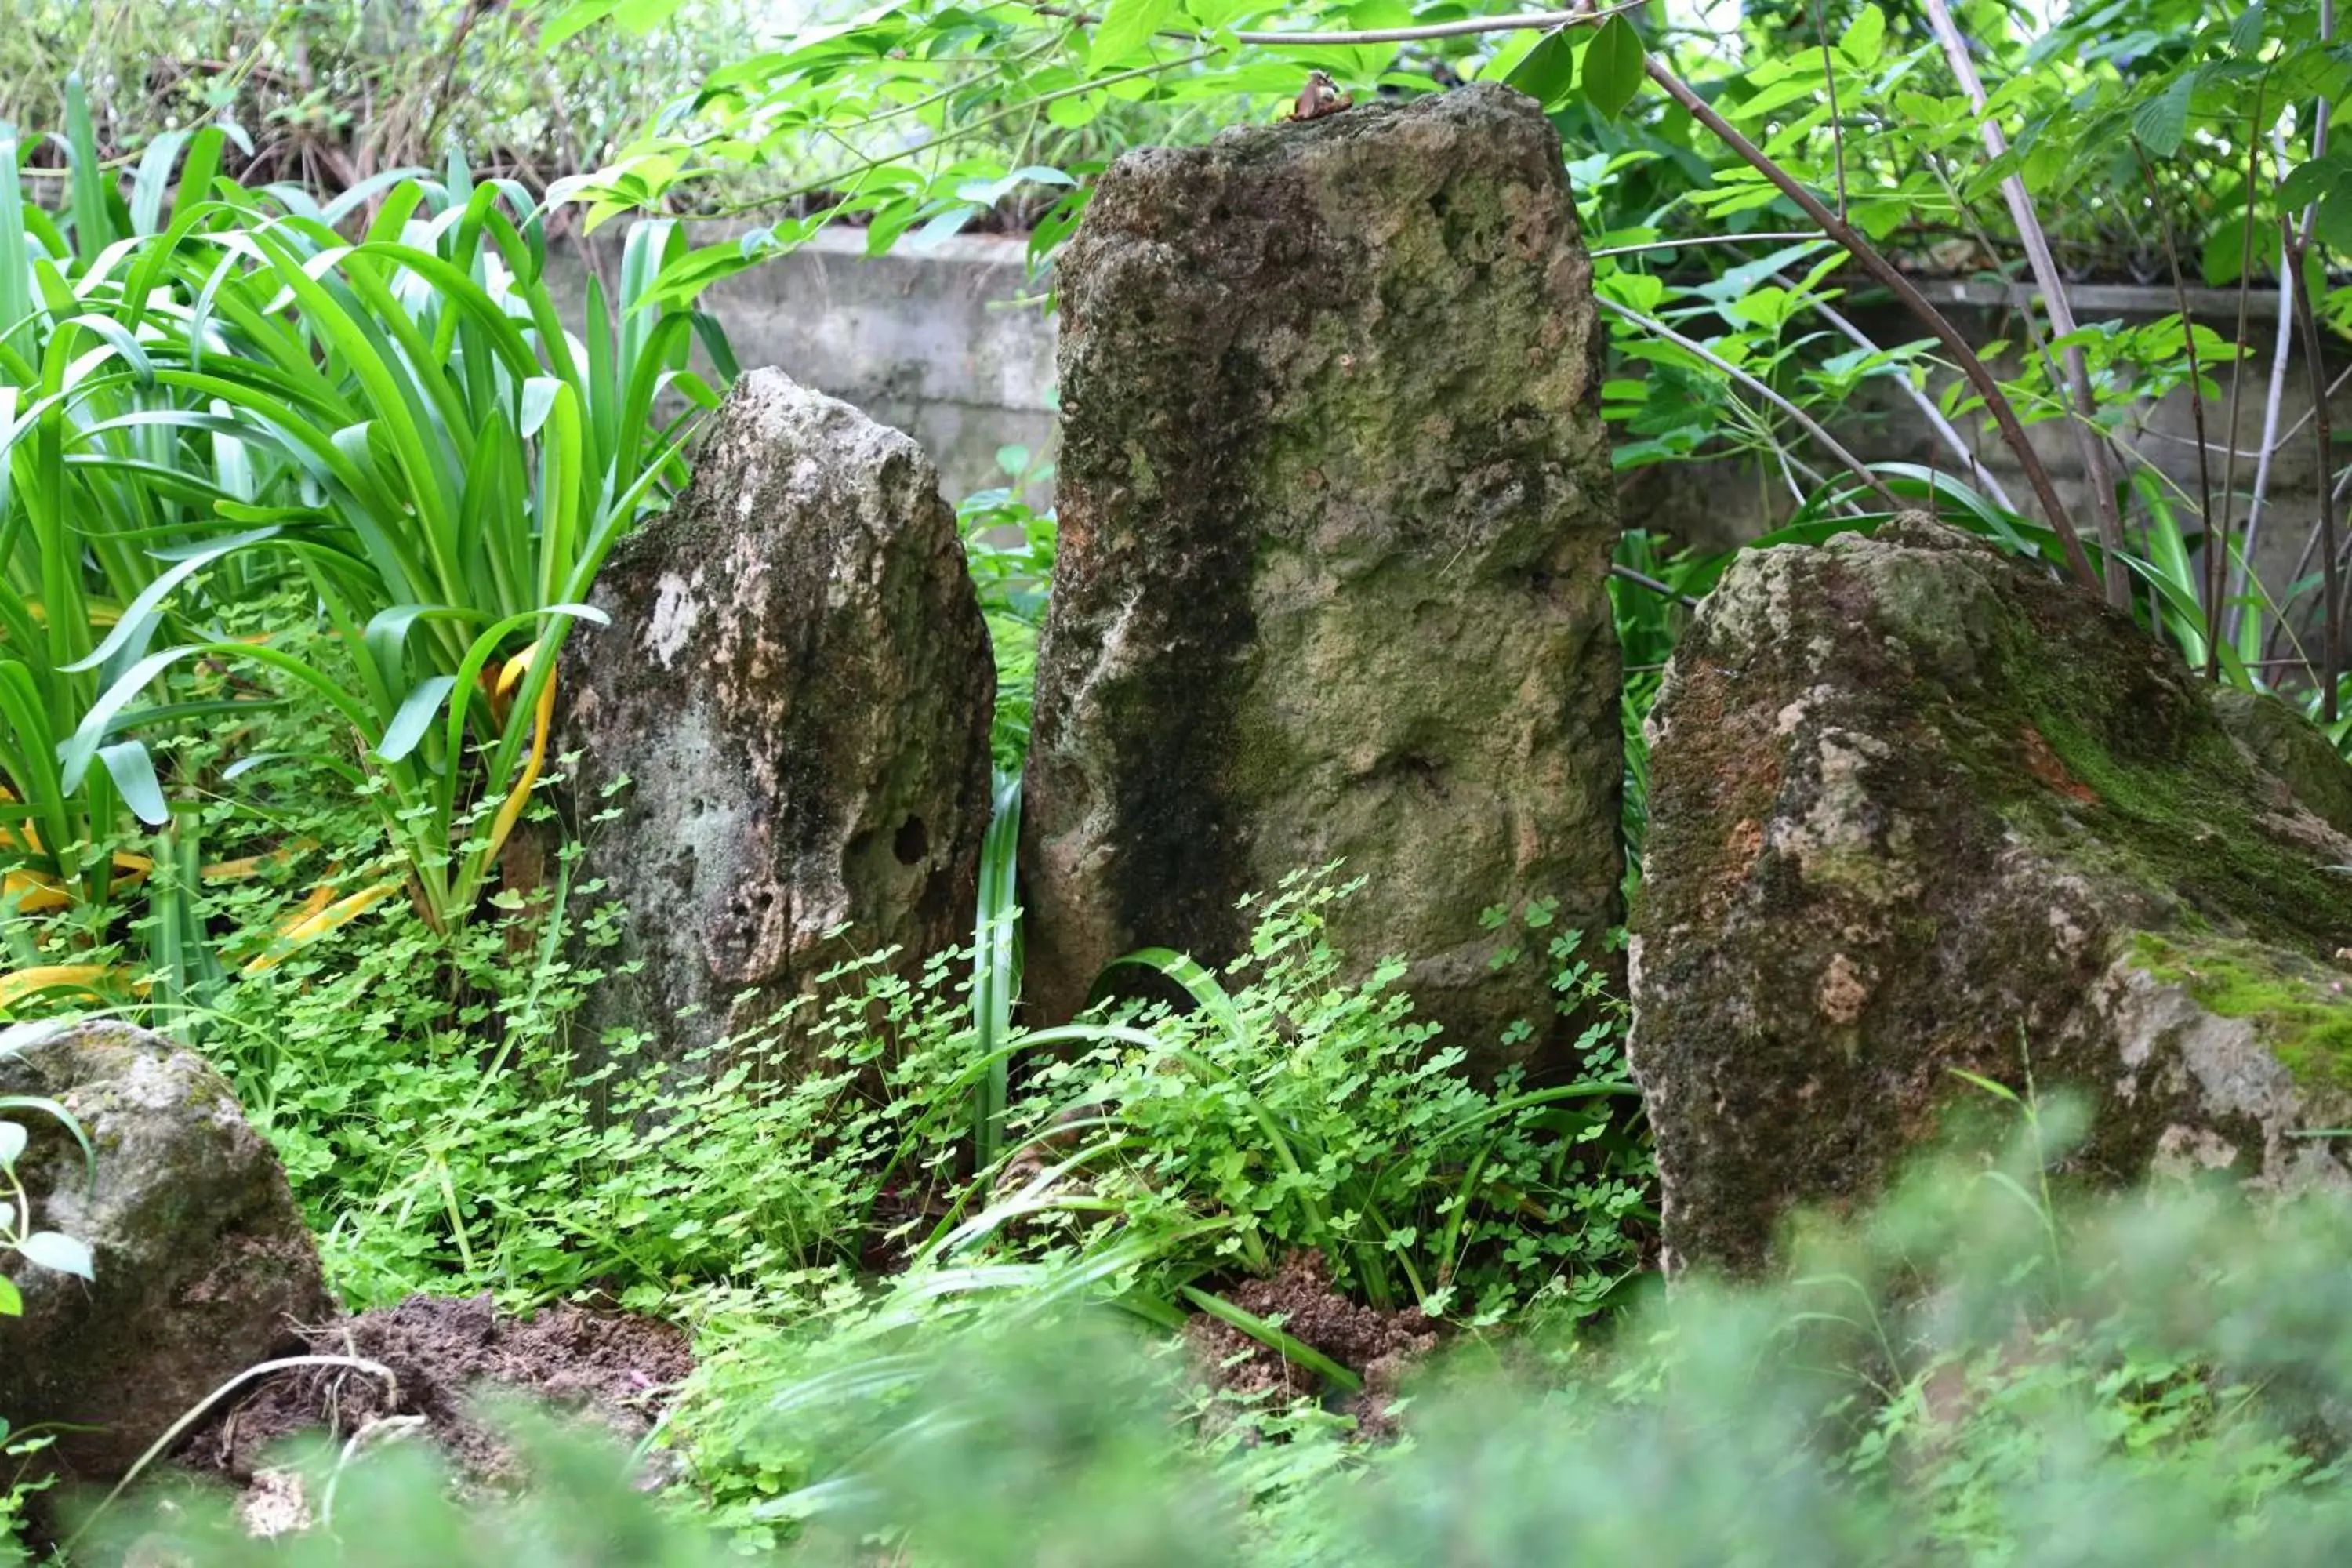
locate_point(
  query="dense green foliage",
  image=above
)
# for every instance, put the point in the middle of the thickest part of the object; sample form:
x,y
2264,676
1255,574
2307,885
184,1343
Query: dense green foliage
x,y
213,397
326,94
1745,204
302,443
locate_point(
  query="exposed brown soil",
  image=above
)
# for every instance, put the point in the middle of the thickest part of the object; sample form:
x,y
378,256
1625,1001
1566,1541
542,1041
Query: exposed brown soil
x,y
443,1353
1300,1297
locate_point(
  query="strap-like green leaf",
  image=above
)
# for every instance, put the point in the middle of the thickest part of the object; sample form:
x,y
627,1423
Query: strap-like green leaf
x,y
1197,982
133,772
128,642
1266,1333
416,712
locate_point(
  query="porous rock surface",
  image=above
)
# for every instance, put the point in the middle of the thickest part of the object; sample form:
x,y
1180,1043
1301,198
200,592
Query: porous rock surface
x,y
1336,520
796,685
1918,807
201,1264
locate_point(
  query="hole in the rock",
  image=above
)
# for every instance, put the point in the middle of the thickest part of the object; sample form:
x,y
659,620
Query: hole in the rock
x,y
912,843
1413,770
1427,772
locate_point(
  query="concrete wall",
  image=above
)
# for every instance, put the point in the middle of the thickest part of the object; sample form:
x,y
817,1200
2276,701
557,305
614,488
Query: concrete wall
x,y
1720,504
955,346
951,346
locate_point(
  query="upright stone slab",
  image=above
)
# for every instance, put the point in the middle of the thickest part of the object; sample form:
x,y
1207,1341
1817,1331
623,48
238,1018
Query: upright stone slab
x,y
1916,808
796,685
201,1264
1335,520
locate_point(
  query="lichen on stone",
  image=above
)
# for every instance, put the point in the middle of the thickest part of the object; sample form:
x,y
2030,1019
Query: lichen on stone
x,y
1916,809
797,687
1336,514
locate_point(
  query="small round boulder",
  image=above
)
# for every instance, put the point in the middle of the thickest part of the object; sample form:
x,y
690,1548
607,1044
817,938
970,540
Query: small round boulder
x,y
200,1263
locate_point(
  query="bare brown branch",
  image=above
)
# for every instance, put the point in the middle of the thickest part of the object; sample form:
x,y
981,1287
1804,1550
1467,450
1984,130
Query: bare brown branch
x,y
1858,245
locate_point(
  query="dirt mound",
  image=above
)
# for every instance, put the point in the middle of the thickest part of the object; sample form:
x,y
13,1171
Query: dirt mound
x,y
1301,1299
442,1351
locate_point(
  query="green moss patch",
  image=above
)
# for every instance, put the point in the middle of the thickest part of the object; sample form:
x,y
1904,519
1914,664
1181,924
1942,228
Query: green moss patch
x,y
2304,1018
2139,782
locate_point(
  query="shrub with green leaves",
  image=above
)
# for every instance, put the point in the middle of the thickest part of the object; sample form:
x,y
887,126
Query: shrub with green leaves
x,y
427,1097
1298,1110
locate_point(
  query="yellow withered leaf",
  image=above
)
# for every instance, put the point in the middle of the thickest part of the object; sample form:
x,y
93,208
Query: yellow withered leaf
x,y
510,811
17,984
98,612
314,923
253,864
33,892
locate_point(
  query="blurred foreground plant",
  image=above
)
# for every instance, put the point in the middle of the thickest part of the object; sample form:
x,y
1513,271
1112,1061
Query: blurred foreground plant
x,y
1965,1375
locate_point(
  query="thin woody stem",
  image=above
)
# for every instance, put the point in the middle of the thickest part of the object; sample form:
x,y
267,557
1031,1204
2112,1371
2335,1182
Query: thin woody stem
x,y
1978,474
2088,438
1805,421
832,182
1837,121
1664,589
1648,246
2232,569
1533,21
2217,561
1996,403
2331,641
1525,22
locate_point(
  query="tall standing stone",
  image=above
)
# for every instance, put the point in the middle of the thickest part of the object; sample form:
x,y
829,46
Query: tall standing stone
x,y
1335,520
796,685
1918,810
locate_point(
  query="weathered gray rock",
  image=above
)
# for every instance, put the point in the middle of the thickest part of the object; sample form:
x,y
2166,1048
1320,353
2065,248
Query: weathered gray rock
x,y
202,1263
2282,743
1335,520
1915,807
796,684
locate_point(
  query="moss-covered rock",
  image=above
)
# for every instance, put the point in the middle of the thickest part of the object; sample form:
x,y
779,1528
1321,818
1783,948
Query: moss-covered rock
x,y
1917,807
796,688
202,1263
1336,514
